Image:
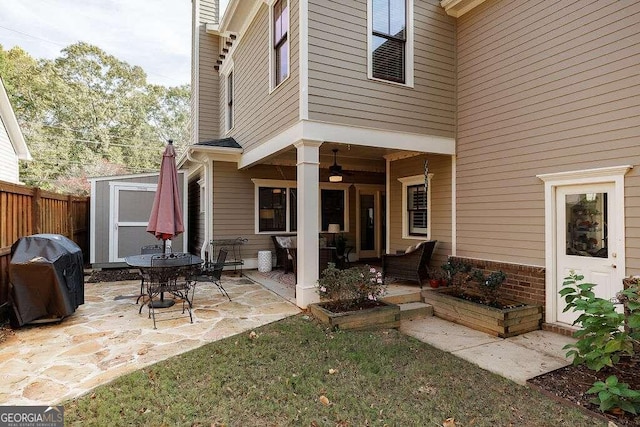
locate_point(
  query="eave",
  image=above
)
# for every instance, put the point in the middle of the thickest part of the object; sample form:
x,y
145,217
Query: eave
x,y
457,8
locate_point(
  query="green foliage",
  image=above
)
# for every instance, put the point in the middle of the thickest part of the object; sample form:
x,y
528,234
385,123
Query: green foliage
x,y
86,113
351,286
489,284
601,339
613,394
605,334
456,272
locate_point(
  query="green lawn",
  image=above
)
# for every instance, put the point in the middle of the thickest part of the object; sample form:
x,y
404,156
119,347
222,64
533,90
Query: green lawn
x,y
278,378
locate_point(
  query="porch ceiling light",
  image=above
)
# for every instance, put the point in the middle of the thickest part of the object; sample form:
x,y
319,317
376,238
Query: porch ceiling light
x,y
335,178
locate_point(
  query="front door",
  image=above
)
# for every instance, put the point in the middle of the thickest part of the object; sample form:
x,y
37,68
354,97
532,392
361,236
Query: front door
x,y
586,240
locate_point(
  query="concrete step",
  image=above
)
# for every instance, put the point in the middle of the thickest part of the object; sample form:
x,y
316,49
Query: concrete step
x,y
404,297
415,310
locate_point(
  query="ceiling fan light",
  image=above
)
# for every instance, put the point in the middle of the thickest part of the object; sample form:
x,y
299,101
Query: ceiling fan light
x,y
335,178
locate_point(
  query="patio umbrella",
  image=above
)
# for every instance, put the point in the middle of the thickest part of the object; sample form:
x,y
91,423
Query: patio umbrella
x,y
166,221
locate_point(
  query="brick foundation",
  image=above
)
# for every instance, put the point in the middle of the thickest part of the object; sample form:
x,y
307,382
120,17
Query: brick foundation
x,y
524,283
562,330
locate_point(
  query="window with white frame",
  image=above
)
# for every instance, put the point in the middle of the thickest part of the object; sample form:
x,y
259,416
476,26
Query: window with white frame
x,y
416,202
280,41
230,96
390,40
277,206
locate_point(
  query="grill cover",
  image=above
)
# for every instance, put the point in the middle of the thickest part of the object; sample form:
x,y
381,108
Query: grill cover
x,y
46,277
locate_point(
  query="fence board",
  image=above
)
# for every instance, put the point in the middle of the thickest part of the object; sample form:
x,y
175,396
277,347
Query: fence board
x,y
28,210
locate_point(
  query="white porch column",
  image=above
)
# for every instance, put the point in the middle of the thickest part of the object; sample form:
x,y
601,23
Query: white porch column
x,y
308,222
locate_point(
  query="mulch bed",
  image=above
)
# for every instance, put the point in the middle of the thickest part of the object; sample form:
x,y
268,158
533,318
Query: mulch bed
x,y
572,382
112,275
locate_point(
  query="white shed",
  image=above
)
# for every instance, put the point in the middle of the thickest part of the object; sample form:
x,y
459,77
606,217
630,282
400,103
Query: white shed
x,y
120,209
12,144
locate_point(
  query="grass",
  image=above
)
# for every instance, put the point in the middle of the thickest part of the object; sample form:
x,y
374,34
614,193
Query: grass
x,y
277,379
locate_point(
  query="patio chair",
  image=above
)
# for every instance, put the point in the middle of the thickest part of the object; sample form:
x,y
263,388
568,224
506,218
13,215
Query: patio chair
x,y
170,273
146,250
411,265
212,272
285,252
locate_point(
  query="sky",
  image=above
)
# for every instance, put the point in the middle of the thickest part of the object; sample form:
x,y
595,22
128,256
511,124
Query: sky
x,y
153,34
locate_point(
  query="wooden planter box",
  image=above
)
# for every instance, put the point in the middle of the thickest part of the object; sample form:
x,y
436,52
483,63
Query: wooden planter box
x,y
382,317
503,323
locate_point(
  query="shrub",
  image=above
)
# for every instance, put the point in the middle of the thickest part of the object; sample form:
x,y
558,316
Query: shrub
x,y
352,286
489,284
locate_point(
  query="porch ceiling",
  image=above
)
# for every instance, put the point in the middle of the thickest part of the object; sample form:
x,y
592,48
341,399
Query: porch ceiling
x,y
350,157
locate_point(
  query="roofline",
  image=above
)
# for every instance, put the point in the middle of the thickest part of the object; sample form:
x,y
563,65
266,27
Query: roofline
x,y
218,153
11,124
135,175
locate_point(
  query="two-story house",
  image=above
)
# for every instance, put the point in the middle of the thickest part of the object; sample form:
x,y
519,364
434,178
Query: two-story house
x,y
12,144
521,116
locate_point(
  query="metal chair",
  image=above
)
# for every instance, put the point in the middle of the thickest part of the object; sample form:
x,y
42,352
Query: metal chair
x,y
145,250
213,272
170,273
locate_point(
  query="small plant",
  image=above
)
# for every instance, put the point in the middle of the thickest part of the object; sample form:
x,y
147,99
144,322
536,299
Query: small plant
x,y
489,284
352,286
601,338
612,394
457,273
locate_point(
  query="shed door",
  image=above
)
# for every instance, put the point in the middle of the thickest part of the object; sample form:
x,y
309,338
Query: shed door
x,y
130,209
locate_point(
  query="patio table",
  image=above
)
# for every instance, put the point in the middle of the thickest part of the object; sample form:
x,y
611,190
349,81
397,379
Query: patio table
x,y
143,262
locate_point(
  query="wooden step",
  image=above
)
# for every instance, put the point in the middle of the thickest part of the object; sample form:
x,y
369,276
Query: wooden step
x,y
402,298
415,310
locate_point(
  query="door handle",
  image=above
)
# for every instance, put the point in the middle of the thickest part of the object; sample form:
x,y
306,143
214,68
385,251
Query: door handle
x,y
613,266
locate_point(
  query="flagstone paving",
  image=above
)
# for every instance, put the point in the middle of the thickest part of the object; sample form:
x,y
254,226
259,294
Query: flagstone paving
x,y
106,337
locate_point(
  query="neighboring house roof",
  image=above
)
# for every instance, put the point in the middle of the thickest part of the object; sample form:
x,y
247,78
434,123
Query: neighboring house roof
x,y
224,142
8,118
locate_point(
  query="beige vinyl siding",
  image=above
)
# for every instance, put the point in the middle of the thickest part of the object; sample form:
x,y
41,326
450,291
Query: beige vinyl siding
x,y
208,84
542,87
440,211
8,157
340,92
260,115
234,205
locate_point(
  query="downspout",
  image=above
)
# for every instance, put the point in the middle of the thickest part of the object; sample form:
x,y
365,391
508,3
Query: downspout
x,y
207,210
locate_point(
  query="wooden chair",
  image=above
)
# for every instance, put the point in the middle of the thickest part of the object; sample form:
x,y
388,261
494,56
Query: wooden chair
x,y
412,266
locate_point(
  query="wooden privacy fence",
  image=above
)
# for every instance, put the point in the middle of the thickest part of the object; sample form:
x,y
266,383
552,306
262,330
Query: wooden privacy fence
x,y
29,210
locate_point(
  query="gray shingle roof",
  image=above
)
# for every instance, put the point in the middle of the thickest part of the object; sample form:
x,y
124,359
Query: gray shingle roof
x,y
224,142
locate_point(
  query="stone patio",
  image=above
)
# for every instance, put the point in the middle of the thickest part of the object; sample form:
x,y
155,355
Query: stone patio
x,y
106,337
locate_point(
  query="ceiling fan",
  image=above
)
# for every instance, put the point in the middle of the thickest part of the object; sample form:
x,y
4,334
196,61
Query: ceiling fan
x,y
335,170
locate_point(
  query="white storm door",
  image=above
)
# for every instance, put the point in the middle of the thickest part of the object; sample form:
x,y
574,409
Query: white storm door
x,y
130,210
586,241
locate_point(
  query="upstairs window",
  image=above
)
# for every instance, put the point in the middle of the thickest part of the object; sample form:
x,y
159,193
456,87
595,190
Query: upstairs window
x,y
280,22
390,35
230,96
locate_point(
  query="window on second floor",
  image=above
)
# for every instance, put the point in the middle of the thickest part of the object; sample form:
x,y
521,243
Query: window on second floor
x,y
390,36
280,47
230,96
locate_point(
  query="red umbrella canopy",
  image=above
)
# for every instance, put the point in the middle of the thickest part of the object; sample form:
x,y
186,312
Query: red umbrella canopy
x,y
166,221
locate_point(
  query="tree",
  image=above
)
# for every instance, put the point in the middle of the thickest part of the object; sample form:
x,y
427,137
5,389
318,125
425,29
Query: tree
x,y
87,109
